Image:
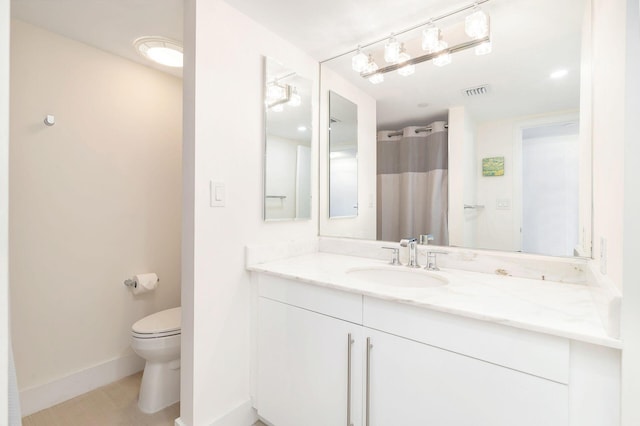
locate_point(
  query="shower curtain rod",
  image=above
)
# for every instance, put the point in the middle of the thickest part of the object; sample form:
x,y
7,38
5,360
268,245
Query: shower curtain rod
x,y
418,130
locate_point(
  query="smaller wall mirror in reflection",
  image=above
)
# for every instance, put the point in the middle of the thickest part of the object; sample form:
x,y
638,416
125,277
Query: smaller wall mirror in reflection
x,y
343,157
287,180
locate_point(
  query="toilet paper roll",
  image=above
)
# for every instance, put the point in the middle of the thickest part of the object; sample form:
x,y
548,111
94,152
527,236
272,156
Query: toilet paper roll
x,y
145,282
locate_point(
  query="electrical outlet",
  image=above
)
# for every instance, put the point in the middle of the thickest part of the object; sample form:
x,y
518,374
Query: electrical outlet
x,y
503,204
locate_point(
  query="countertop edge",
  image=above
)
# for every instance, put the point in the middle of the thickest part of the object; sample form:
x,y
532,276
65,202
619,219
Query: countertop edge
x,y
601,341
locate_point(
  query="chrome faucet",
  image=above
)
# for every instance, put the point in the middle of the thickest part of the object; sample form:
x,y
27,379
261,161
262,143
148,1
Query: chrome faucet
x,y
413,253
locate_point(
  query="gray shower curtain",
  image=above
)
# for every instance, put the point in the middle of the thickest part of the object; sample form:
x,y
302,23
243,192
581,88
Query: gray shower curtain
x,y
412,184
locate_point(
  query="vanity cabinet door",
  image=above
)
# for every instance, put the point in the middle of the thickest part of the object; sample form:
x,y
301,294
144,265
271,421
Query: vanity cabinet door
x,y
416,384
303,367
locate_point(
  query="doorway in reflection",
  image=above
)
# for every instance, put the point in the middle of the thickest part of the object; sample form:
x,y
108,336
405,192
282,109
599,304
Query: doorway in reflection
x,y
550,180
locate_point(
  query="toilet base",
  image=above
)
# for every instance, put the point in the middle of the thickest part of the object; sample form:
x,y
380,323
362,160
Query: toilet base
x,y
160,386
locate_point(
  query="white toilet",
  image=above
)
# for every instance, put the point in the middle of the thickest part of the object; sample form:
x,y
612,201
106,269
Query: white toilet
x,y
156,338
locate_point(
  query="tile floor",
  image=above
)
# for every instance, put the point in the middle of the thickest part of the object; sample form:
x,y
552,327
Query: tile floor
x,y
112,405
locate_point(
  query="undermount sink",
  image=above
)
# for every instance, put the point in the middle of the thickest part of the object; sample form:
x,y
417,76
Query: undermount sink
x,y
398,276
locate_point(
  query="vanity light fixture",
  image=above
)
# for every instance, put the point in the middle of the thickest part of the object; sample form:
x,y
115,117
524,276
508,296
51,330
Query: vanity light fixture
x,y
476,25
360,61
295,99
160,50
484,48
477,28
402,58
392,50
278,94
431,37
443,58
374,76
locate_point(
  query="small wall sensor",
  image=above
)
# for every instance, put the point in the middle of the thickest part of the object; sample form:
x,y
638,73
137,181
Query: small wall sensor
x,y
49,120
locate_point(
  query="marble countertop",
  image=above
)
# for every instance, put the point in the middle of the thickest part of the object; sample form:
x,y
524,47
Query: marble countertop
x,y
560,309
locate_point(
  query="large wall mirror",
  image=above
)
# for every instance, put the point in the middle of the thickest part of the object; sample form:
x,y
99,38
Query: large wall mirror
x,y
343,157
489,147
287,164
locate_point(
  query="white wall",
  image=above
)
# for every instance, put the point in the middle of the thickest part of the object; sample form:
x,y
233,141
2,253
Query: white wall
x,y
364,225
499,228
630,327
462,179
93,200
215,284
608,131
4,202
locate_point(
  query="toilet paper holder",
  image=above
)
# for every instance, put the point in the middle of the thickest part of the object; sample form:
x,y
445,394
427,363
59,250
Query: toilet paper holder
x,y
131,283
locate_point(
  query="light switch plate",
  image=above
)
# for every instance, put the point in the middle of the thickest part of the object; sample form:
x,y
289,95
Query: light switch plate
x,y
217,194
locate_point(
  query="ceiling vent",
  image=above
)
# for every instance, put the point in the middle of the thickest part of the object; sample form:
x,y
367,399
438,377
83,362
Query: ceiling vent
x,y
476,91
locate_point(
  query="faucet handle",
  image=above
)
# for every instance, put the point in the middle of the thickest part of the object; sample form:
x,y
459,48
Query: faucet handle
x,y
431,259
395,260
424,239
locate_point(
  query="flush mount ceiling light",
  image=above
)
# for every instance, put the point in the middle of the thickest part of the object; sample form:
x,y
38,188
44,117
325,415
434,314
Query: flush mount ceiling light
x,y
160,50
477,28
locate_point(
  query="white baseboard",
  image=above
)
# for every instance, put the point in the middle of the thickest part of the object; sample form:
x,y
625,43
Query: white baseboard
x,y
241,415
44,396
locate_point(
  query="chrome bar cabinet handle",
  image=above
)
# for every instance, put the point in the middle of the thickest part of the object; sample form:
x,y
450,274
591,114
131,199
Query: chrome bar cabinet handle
x,y
350,342
368,390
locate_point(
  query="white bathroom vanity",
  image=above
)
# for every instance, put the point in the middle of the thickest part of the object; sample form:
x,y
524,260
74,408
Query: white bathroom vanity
x,y
348,340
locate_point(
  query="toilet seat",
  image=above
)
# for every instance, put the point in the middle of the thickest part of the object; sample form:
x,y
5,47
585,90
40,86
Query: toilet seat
x,y
161,324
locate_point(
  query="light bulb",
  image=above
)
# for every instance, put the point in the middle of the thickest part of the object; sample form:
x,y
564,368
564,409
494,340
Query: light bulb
x,y
404,57
444,58
484,48
392,50
359,61
476,25
295,99
377,78
372,67
275,93
430,38
165,56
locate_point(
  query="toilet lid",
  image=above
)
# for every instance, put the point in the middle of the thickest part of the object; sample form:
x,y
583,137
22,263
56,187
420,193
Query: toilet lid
x,y
160,322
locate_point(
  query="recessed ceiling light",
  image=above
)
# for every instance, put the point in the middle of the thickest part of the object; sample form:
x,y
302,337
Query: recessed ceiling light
x,y
302,128
160,50
559,74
